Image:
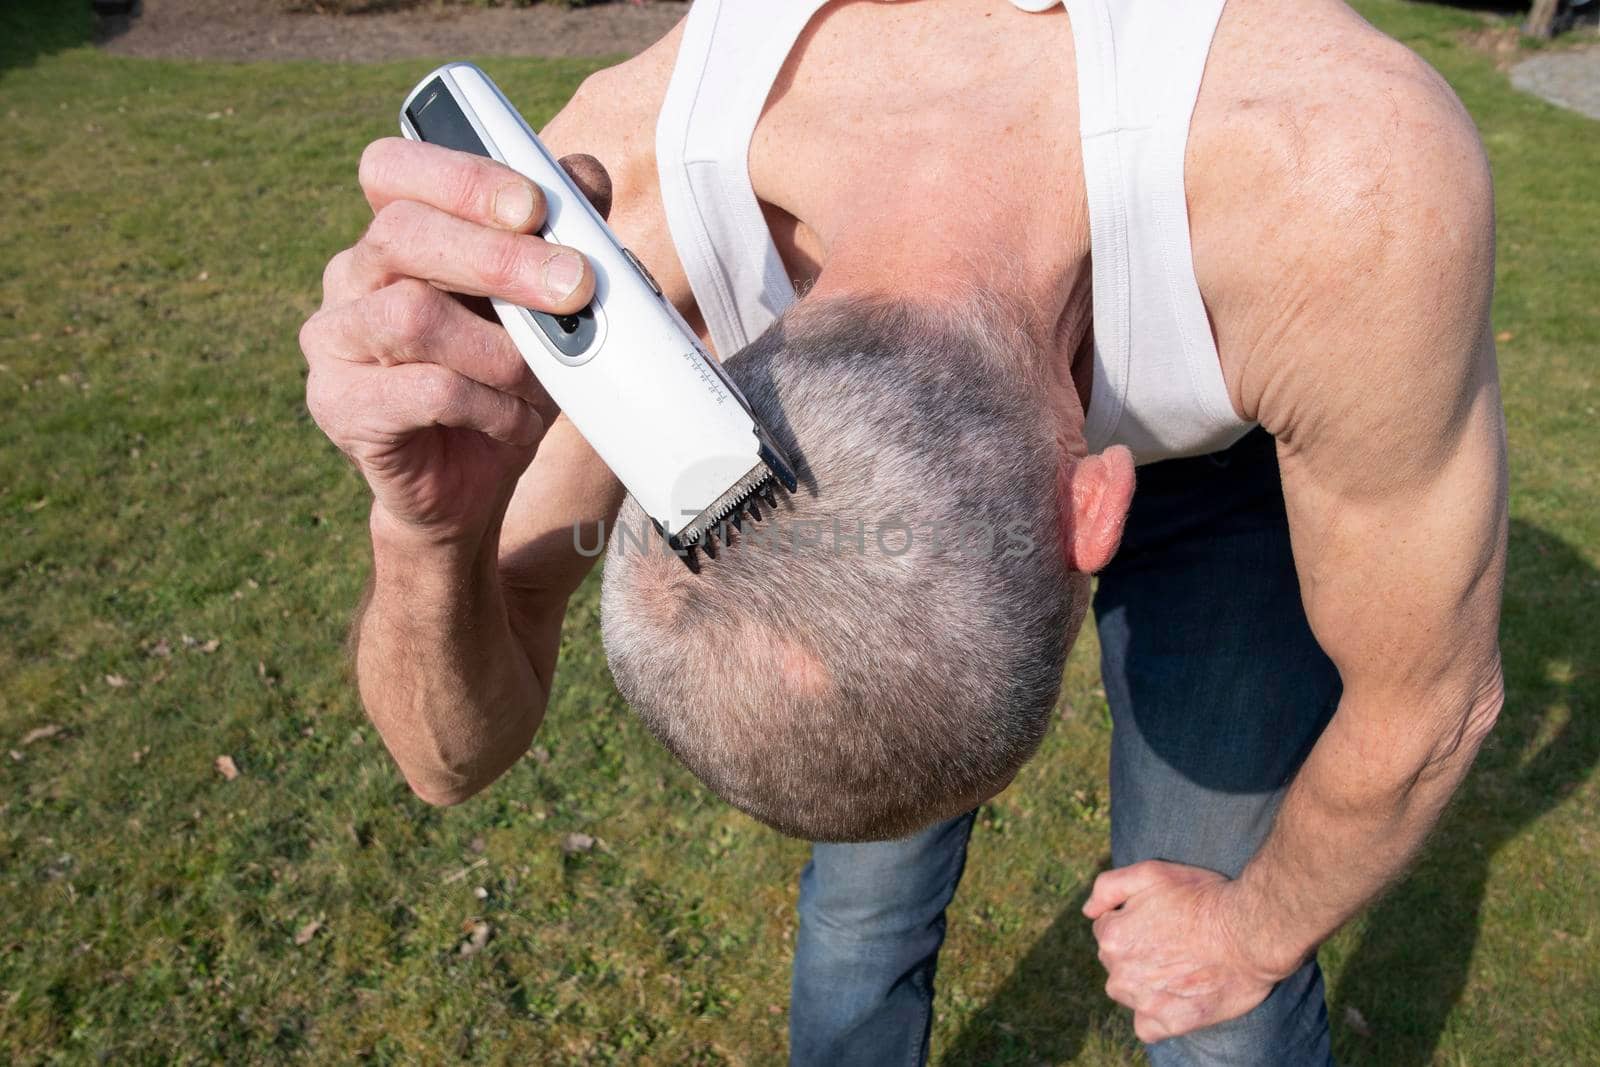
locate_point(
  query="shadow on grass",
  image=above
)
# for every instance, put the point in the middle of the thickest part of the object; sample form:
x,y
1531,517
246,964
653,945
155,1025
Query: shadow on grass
x,y
33,28
1048,1007
1410,968
1411,965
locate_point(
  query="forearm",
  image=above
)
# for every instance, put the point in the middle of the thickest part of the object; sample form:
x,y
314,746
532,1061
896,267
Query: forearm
x,y
1352,820
445,675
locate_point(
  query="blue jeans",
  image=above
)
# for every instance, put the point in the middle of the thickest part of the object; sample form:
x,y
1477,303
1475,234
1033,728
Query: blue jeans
x,y
1217,691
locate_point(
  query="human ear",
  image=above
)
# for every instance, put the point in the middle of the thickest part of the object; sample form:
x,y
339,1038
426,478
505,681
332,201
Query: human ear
x,y
1095,494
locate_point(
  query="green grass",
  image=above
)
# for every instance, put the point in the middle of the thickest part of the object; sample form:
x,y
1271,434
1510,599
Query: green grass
x,y
163,235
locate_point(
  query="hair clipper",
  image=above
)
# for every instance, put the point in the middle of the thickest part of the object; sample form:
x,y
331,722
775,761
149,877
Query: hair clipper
x,y
627,370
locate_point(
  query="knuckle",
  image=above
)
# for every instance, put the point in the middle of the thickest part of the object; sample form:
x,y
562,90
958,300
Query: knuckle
x,y
320,402
463,188
334,275
437,390
412,312
311,336
504,263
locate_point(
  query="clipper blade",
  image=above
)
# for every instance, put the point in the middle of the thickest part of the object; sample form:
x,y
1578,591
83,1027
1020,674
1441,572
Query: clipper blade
x,y
761,482
730,503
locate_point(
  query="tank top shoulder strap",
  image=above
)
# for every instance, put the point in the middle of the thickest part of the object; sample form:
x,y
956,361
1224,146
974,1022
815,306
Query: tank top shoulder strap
x,y
1158,384
729,58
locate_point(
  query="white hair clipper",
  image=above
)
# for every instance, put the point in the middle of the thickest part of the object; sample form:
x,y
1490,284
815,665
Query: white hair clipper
x,y
627,370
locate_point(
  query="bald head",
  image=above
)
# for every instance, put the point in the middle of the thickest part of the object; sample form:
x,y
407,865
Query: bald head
x,y
885,650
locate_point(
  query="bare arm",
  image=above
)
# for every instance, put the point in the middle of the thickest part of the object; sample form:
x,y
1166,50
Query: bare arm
x,y
1393,458
1370,266
474,555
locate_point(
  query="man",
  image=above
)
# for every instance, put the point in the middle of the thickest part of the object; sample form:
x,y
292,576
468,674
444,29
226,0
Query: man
x,y
1291,225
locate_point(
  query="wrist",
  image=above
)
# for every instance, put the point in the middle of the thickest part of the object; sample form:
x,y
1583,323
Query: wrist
x,y
426,567
1263,933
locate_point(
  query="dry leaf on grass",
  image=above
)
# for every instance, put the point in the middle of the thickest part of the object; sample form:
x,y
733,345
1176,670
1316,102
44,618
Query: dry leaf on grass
x,y
304,935
116,681
226,767
138,754
575,843
41,733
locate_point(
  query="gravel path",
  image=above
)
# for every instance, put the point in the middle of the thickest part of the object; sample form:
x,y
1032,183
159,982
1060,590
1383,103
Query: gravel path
x,y
257,29
1570,79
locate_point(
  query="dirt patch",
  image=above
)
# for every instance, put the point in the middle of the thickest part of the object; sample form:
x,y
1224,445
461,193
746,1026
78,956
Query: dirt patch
x,y
256,30
1502,43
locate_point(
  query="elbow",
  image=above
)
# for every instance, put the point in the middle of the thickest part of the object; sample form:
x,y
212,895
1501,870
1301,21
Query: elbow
x,y
444,775
1469,727
443,790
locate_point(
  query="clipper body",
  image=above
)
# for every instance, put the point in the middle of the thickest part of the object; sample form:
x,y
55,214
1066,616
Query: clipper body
x,y
627,370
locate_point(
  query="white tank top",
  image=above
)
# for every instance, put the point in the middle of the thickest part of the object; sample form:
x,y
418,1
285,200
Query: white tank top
x,y
1158,386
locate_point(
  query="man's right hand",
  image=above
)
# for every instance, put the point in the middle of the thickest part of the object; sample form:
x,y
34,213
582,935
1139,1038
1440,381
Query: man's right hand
x,y
429,397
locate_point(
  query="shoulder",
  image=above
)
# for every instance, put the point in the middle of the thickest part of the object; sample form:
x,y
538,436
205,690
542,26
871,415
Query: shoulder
x,y
612,117
1340,200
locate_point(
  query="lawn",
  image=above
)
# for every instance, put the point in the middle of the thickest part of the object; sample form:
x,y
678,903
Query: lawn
x,y
180,551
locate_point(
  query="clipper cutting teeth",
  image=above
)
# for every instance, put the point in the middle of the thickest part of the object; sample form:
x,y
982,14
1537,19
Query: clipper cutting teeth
x,y
727,512
727,515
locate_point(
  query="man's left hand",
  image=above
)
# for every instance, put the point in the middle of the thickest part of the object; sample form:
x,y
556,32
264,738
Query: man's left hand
x,y
1174,942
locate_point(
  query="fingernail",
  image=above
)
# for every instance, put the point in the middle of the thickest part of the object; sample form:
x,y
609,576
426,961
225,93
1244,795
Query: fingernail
x,y
513,204
562,273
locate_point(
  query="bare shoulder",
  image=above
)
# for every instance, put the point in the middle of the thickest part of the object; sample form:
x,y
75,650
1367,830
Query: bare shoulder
x,y
612,117
615,108
1341,206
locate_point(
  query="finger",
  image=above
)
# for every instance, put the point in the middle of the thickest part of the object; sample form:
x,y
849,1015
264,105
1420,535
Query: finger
x,y
412,322
409,239
1121,992
469,187
1113,888
368,409
591,178
1165,1016
1108,937
1148,1028
426,394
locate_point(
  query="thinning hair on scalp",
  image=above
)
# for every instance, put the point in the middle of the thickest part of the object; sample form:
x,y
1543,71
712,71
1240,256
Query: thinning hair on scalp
x,y
885,650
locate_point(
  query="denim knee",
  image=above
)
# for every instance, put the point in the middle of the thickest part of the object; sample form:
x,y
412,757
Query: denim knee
x,y
1288,1029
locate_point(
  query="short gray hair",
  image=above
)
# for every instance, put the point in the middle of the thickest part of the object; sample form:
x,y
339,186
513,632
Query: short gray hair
x,y
862,688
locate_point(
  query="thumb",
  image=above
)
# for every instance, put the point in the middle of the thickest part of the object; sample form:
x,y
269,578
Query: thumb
x,y
591,178
1113,888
